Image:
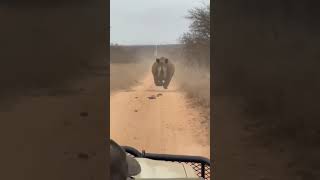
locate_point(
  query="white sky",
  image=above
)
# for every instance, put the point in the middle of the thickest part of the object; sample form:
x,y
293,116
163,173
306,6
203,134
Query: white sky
x,y
149,21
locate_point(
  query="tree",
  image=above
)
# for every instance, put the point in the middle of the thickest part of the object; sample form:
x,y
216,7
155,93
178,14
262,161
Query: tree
x,y
197,40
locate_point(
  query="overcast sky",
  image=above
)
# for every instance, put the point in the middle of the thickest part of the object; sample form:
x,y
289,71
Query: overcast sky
x,y
149,21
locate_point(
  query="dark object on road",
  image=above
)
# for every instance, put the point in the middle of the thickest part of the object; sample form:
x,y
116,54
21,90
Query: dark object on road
x,y
152,97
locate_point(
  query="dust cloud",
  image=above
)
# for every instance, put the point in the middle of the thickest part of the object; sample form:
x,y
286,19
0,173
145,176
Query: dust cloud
x,y
129,64
171,115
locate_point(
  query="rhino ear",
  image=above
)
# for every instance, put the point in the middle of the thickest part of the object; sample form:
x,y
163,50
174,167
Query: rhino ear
x,y
157,60
166,60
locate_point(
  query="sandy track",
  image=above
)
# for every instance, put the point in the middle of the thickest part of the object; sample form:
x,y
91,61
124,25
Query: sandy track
x,y
166,124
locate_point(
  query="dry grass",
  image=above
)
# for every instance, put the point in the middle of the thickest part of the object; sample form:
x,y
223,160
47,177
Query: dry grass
x,y
128,65
195,81
125,75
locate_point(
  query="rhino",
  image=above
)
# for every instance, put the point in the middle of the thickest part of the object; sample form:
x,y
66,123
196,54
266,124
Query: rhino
x,y
162,70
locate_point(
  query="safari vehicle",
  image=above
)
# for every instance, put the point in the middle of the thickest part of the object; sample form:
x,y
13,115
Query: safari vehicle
x,y
170,166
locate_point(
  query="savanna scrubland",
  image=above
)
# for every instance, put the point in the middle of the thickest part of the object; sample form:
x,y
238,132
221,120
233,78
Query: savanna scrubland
x,y
128,64
192,79
177,117
191,57
183,109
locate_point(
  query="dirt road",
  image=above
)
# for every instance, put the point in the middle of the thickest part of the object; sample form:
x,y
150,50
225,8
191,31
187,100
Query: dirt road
x,y
157,120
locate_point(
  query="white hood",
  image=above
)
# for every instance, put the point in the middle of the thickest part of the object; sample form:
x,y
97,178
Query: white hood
x,y
152,169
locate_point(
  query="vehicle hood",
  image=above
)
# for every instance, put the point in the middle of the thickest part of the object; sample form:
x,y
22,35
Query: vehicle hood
x,y
152,169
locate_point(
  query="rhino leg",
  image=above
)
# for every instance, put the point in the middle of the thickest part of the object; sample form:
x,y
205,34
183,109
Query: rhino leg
x,y
157,82
167,82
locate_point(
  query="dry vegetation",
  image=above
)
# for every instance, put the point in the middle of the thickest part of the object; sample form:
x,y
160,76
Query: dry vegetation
x,y
196,82
193,69
126,75
128,65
